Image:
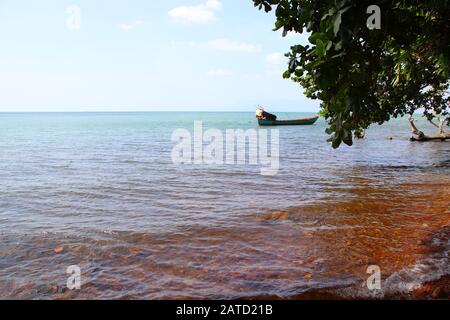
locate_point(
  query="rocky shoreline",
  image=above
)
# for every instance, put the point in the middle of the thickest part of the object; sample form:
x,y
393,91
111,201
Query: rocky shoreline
x,y
433,290
438,289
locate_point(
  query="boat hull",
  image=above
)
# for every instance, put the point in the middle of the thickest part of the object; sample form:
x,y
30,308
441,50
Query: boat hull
x,y
294,122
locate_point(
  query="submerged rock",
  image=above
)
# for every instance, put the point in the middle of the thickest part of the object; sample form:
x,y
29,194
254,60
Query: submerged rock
x,y
276,215
58,249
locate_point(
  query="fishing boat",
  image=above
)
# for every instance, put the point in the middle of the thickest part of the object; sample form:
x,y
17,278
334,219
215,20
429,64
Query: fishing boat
x,y
268,119
293,122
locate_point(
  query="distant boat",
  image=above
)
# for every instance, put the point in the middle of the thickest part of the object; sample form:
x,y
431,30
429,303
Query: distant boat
x,y
293,122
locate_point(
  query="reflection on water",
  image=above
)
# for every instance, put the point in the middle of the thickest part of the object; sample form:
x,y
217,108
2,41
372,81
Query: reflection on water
x,y
103,188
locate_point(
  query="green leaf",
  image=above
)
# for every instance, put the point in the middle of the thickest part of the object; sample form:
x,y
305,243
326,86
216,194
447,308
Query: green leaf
x,y
292,65
317,36
337,23
320,48
336,142
299,72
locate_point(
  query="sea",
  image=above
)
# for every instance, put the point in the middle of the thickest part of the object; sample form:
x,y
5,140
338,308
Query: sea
x,y
93,206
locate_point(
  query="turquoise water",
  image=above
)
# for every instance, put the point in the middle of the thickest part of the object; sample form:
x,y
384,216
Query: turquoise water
x,y
103,186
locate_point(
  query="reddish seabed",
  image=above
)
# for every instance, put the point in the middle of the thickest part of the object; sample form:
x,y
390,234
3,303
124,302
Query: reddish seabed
x,y
323,248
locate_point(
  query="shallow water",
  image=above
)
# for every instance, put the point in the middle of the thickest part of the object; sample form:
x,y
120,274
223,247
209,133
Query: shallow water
x,y
103,186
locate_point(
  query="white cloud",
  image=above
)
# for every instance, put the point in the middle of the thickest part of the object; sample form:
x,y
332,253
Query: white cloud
x,y
131,26
214,4
126,26
233,46
219,73
275,64
275,58
253,76
201,13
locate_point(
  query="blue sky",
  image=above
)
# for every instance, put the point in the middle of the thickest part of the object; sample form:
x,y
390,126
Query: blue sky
x,y
138,55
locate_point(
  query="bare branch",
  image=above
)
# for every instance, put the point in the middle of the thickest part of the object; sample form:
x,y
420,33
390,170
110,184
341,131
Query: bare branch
x,y
413,127
433,123
442,123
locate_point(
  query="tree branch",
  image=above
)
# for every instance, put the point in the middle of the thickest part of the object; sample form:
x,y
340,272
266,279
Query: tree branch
x,y
442,123
420,136
414,129
433,123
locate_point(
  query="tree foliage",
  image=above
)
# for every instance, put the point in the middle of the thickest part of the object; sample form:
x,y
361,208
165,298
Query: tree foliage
x,y
363,76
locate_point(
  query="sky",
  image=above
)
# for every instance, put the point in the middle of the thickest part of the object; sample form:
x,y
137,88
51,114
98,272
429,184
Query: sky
x,y
143,55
